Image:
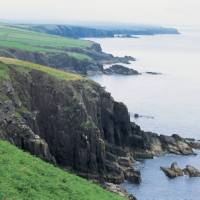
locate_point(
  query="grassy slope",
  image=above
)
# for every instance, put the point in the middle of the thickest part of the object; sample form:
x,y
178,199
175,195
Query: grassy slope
x,y
25,177
11,37
6,63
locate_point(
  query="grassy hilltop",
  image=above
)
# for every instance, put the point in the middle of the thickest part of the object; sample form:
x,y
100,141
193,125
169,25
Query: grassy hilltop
x,y
23,66
26,177
17,38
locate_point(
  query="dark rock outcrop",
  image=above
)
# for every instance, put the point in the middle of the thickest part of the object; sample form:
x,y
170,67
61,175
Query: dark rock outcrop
x,y
63,60
191,171
175,171
115,188
118,190
195,144
172,172
53,59
77,125
154,73
136,116
121,70
132,176
175,144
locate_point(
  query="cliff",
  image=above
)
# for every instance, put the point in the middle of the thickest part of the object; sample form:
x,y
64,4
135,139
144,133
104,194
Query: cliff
x,y
106,30
68,54
26,177
74,123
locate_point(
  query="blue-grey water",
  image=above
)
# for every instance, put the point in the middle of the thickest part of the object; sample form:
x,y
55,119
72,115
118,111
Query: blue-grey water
x,y
173,99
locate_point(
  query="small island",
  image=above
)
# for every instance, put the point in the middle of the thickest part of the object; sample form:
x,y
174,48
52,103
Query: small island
x,y
120,70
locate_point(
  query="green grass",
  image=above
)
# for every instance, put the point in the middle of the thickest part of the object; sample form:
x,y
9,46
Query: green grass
x,y
4,71
17,38
23,66
79,56
24,177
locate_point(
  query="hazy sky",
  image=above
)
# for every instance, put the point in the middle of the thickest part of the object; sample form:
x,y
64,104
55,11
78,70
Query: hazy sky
x,y
164,12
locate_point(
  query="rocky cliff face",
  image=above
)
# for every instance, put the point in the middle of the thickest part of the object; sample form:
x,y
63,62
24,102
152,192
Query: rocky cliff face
x,y
54,59
63,60
77,125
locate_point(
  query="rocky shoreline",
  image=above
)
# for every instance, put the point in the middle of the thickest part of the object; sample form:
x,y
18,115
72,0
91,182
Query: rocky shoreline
x,y
175,171
120,70
78,126
63,60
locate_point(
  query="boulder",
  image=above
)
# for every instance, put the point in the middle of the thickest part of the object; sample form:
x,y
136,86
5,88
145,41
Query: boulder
x,y
131,197
115,188
118,190
121,70
191,171
132,176
136,115
173,171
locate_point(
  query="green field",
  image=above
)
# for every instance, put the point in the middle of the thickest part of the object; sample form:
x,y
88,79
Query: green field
x,y
25,177
23,66
17,38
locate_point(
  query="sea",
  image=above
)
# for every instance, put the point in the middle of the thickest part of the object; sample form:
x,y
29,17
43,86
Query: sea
x,y
169,103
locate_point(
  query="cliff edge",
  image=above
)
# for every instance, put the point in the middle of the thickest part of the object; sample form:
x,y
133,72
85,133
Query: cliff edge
x,y
74,123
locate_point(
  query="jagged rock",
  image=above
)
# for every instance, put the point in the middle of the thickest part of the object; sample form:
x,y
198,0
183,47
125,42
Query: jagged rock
x,y
125,161
118,190
191,171
136,115
111,157
175,144
119,69
173,171
132,176
195,144
115,188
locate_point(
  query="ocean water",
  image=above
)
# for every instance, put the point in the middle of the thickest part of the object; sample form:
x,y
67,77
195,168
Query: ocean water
x,y
172,99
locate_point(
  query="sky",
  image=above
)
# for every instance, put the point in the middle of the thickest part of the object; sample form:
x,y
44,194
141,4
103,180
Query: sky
x,y
154,12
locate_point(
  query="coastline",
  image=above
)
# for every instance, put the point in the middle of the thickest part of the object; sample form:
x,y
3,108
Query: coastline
x,y
110,89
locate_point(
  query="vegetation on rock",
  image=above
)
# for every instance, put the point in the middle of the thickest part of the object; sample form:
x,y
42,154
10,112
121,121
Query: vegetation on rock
x,y
24,66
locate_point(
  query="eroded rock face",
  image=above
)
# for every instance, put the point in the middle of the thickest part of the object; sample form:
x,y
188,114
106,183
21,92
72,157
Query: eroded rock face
x,y
195,144
63,60
77,125
175,144
53,59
